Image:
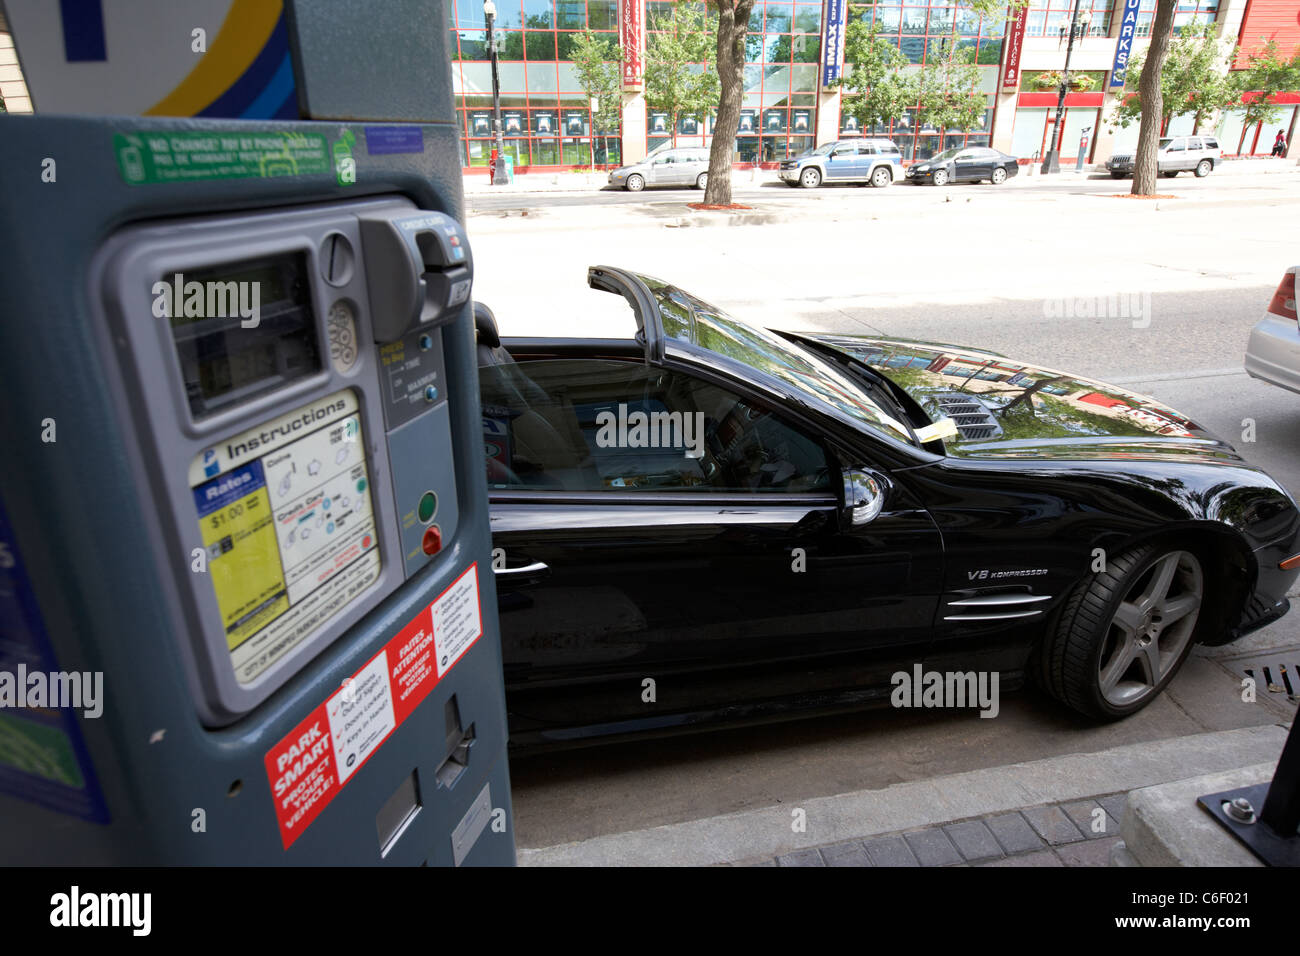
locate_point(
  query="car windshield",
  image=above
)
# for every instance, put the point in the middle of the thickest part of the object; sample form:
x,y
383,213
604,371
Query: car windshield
x,y
691,320
821,150
946,154
1166,141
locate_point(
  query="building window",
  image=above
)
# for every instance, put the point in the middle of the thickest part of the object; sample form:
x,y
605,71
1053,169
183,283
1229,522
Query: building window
x,y
546,119
778,115
925,33
1051,18
1203,11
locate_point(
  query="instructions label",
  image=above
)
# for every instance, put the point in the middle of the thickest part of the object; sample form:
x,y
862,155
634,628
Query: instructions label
x,y
311,764
286,519
170,156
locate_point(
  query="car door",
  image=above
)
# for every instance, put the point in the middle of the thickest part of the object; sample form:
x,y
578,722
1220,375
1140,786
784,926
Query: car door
x,y
1175,156
662,169
724,567
968,165
865,160
842,162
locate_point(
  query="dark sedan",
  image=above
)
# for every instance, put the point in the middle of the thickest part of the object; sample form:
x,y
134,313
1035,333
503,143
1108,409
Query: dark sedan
x,y
968,164
712,522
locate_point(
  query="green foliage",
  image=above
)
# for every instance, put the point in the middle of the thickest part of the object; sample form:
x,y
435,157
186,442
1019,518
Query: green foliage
x,y
874,72
1193,79
948,95
673,82
1267,72
595,59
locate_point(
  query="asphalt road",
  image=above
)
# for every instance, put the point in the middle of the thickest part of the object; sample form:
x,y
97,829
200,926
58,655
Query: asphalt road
x,y
745,190
991,273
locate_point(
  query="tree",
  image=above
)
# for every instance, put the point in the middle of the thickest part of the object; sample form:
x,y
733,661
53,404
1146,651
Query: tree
x,y
673,82
594,59
948,94
875,74
733,21
1186,75
1266,73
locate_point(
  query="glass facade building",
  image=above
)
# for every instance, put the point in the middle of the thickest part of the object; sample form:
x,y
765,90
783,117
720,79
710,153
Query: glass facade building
x,y
548,122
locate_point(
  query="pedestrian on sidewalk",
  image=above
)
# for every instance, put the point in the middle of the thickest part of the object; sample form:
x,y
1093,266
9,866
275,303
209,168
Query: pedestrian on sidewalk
x,y
1279,144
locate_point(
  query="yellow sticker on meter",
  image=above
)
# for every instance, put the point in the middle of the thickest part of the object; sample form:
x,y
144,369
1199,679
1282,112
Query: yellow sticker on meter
x,y
287,522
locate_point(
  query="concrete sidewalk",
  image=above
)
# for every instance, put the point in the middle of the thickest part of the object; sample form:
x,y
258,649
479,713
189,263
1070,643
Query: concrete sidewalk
x,y
1061,811
743,179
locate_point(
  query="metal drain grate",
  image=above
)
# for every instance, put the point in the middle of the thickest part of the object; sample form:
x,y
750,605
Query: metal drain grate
x,y
1275,673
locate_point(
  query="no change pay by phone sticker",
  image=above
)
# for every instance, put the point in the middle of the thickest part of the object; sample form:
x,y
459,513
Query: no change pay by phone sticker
x,y
286,518
312,763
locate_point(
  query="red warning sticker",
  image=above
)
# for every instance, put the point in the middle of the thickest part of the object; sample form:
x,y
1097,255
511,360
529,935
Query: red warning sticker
x,y
313,762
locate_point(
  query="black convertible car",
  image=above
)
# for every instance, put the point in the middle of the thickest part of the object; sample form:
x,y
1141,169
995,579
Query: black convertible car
x,y
717,523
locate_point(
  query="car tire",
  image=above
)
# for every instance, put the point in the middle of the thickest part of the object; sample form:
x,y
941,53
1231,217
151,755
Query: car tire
x,y
1118,175
1169,173
701,180
881,177
635,183
999,176
1124,632
1203,168
810,178
940,177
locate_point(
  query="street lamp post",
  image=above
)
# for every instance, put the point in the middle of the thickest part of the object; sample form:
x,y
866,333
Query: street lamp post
x,y
1052,161
499,173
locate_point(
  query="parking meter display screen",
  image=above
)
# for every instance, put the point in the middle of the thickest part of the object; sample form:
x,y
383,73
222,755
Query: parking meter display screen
x,y
240,329
288,527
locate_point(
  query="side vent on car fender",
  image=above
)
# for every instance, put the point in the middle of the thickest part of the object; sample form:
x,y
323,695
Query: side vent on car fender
x,y
1002,606
974,420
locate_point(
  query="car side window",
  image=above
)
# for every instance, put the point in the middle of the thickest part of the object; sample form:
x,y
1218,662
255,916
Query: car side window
x,y
845,150
867,150
1211,143
1194,143
595,425
1177,146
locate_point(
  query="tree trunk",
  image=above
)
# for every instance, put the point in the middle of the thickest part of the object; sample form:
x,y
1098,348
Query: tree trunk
x,y
733,20
1153,107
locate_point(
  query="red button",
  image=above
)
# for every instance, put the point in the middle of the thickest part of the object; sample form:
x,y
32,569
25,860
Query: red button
x,y
432,542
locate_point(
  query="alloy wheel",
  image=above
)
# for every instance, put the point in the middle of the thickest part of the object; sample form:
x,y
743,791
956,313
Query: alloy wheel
x,y
1151,628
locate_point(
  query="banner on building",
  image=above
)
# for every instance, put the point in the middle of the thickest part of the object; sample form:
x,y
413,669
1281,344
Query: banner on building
x,y
1124,47
1015,45
631,38
833,42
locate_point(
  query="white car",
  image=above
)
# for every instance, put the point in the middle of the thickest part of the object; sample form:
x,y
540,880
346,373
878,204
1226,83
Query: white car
x,y
1273,354
1175,154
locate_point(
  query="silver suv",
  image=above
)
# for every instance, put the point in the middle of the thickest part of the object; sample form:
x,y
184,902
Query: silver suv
x,y
1176,154
875,161
683,166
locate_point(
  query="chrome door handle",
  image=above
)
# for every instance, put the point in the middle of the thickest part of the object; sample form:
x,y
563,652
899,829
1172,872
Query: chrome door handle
x,y
534,568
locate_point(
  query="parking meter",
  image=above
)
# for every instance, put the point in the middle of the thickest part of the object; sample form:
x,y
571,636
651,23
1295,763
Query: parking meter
x,y
247,614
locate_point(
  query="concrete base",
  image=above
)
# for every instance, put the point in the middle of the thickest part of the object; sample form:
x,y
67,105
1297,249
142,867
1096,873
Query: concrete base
x,y
1163,826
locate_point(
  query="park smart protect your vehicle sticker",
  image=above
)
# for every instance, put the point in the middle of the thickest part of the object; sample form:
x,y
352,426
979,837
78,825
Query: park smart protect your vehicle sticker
x,y
312,763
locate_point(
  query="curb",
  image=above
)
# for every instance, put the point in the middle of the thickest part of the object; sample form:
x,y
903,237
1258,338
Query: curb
x,y
767,832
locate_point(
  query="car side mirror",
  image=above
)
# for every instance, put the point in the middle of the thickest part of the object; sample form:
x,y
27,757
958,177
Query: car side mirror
x,y
864,497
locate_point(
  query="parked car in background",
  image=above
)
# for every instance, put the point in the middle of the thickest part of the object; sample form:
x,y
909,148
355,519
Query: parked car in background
x,y
682,166
875,161
965,164
1176,154
1273,353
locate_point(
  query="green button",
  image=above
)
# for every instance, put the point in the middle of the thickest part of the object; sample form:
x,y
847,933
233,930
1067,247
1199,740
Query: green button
x,y
428,505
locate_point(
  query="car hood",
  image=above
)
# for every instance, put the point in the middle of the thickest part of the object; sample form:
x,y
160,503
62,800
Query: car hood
x,y
1003,408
